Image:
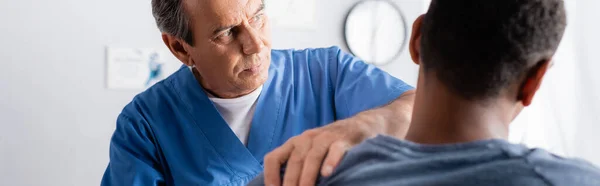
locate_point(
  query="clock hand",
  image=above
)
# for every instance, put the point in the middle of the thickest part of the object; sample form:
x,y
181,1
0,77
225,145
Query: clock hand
x,y
374,31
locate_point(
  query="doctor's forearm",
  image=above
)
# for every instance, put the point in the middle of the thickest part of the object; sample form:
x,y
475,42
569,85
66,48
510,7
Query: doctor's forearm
x,y
392,119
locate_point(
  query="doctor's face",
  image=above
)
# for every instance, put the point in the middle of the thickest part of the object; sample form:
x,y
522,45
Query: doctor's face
x,y
231,49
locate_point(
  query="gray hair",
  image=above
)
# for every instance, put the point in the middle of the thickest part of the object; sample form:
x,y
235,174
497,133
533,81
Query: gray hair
x,y
171,18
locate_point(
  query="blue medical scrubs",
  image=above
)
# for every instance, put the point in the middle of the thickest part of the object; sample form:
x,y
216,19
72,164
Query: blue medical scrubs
x,y
172,134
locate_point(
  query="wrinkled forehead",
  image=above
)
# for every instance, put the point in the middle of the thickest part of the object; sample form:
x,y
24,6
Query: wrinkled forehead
x,y
211,13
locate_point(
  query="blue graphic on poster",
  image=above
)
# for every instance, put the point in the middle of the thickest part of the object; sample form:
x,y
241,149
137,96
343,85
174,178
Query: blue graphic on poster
x,y
155,69
138,68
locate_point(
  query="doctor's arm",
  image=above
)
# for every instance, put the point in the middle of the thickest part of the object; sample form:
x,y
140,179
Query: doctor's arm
x,y
368,101
133,156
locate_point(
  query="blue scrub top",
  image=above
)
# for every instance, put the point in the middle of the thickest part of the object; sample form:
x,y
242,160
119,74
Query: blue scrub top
x,y
172,134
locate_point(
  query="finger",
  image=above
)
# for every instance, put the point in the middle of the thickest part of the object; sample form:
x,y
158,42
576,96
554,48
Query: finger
x,y
313,163
296,162
334,156
273,162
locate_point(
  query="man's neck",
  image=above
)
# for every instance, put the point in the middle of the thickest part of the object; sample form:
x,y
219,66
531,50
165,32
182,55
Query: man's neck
x,y
440,117
228,95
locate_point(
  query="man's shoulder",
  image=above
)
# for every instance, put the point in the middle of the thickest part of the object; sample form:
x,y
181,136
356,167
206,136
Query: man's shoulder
x,y
307,50
156,96
563,171
395,162
307,54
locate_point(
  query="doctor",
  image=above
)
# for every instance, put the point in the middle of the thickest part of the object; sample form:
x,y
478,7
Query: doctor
x,y
216,119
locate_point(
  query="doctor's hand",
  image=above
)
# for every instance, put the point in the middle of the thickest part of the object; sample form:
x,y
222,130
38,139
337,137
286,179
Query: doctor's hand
x,y
321,150
314,151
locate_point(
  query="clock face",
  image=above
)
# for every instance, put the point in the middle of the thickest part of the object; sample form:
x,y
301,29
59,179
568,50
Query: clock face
x,y
376,31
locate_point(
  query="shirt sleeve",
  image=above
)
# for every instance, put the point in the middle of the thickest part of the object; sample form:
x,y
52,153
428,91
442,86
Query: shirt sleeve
x,y
133,156
360,86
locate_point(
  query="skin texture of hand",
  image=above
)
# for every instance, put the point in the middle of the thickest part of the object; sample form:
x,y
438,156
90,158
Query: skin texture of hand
x,y
322,149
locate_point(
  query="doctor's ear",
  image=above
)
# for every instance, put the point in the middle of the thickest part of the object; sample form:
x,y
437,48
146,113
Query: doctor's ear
x,y
179,48
415,40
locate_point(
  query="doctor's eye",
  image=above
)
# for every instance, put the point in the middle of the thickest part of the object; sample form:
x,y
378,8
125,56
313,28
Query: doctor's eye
x,y
257,20
258,17
227,33
225,37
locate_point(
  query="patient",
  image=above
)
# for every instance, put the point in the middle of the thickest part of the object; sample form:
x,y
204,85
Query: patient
x,y
480,63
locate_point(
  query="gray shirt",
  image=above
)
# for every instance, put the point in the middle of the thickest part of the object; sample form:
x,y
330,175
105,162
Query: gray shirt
x,y
389,161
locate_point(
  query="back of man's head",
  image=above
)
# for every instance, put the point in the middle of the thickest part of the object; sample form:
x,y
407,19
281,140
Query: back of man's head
x,y
477,48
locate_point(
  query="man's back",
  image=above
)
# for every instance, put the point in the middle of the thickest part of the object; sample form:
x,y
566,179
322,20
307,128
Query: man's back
x,y
388,161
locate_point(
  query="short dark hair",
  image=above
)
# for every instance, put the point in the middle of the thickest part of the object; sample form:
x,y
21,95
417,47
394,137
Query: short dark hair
x,y
479,47
171,18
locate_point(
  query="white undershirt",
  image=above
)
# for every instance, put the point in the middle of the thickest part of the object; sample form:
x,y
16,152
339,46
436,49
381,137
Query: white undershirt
x,y
238,112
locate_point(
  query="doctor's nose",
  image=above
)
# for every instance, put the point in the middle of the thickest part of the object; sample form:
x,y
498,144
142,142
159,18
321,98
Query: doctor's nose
x,y
251,41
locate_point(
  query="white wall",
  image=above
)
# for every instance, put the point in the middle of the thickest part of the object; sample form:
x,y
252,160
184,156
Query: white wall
x,y
56,117
588,81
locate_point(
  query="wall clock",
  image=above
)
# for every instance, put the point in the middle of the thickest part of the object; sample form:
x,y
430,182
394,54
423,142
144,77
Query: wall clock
x,y
376,31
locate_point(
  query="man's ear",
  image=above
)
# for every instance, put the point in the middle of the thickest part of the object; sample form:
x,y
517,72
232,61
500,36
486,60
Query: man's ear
x,y
415,40
178,48
533,81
